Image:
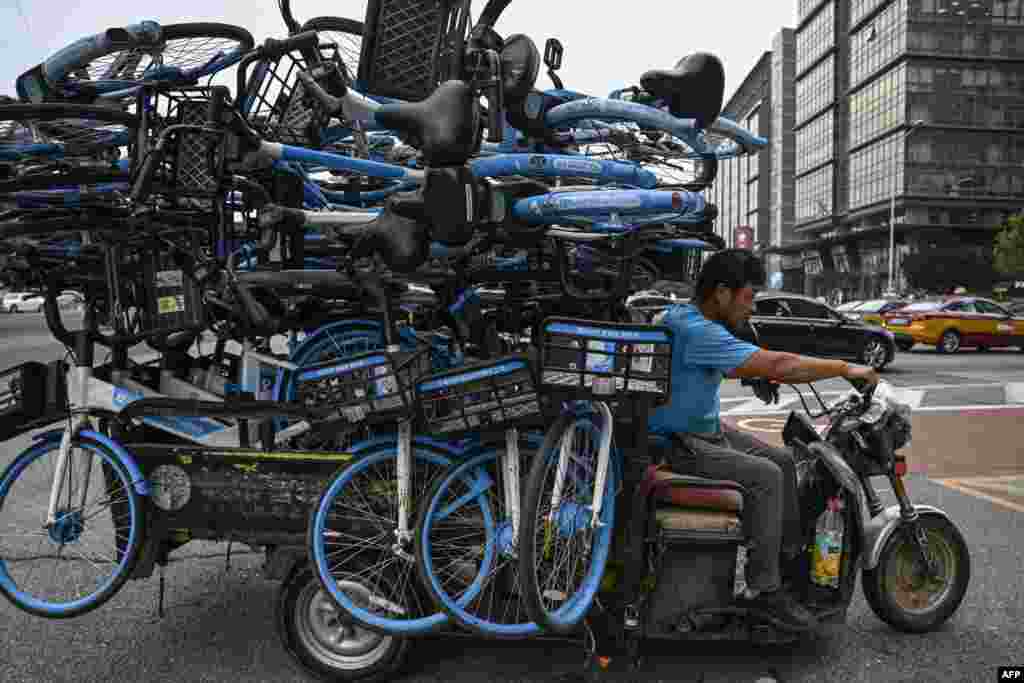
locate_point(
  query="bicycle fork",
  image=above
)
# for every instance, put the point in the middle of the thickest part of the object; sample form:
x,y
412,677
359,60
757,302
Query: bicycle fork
x,y
80,377
601,473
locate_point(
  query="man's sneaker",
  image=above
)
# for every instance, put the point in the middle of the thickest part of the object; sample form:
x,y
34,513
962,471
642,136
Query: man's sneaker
x,y
782,610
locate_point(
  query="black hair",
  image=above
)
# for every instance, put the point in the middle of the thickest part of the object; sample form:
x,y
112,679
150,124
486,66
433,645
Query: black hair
x,y
734,268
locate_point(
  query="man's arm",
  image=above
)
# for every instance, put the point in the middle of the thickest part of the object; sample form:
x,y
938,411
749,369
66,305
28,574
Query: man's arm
x,y
790,368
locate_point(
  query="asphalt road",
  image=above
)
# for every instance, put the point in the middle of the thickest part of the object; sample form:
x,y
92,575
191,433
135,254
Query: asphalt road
x,y
219,624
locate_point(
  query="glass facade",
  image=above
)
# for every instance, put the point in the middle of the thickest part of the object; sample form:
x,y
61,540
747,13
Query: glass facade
x,y
780,196
878,107
804,8
814,143
816,38
816,90
814,195
872,168
983,95
878,42
861,8
934,29
993,159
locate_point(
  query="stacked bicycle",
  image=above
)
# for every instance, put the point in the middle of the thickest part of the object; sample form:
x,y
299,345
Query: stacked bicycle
x,y
387,325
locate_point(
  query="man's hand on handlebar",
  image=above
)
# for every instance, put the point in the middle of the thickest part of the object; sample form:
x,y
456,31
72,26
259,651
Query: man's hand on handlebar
x,y
861,376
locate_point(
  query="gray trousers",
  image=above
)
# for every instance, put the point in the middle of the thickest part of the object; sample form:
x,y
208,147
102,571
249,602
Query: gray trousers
x,y
771,506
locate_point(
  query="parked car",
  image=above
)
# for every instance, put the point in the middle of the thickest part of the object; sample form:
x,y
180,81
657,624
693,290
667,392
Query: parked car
x,y
873,311
799,324
956,322
20,302
849,305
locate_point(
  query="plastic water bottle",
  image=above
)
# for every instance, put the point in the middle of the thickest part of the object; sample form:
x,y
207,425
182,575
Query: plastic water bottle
x,y
828,545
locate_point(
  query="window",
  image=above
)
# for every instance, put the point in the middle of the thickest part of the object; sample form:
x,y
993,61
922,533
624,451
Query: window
x,y
805,7
776,308
814,195
990,308
961,307
816,38
878,42
814,143
807,309
815,91
878,106
861,8
753,123
872,169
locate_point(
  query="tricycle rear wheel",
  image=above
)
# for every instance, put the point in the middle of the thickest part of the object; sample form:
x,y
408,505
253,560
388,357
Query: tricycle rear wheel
x,y
324,641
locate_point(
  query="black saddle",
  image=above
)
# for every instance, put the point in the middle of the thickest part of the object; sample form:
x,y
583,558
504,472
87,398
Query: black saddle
x,y
444,127
403,244
695,88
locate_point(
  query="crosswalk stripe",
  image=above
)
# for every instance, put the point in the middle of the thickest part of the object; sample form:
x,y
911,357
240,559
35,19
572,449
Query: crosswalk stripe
x,y
1015,392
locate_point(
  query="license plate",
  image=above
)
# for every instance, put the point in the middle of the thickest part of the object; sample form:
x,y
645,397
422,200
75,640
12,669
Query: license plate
x,y
898,321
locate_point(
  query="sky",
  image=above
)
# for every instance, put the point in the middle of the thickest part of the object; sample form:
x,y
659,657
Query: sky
x,y
608,45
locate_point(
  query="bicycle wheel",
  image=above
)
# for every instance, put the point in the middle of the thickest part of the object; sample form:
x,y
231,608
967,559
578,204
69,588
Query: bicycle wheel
x,y
344,35
199,48
352,536
34,131
83,560
558,587
468,561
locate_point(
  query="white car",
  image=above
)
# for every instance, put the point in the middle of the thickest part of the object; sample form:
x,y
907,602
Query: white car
x,y
20,302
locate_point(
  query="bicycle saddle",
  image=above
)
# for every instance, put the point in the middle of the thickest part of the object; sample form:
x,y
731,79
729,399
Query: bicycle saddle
x,y
693,89
403,244
443,127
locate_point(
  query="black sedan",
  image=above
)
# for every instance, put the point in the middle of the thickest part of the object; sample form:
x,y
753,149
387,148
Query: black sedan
x,y
799,324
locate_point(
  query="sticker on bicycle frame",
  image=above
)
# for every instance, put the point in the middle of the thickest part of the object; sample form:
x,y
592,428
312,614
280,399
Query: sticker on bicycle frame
x,y
578,165
1002,327
169,278
642,363
600,362
171,304
171,487
386,385
123,397
355,413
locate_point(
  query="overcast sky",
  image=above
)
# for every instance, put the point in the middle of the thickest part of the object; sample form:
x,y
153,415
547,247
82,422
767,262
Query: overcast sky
x,y
607,44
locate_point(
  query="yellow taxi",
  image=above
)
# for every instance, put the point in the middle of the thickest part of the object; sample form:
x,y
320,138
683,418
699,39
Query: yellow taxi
x,y
872,312
955,322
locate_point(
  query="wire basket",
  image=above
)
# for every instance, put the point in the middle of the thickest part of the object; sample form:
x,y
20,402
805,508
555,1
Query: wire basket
x,y
488,396
31,395
591,360
409,44
275,102
194,162
369,387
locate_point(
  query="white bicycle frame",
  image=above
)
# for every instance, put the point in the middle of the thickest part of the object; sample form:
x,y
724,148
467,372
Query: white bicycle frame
x,y
601,471
87,393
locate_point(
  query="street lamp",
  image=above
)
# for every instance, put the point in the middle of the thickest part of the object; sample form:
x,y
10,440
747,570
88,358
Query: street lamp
x,y
892,203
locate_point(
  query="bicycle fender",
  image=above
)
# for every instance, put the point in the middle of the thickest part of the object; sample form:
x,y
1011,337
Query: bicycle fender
x,y
881,527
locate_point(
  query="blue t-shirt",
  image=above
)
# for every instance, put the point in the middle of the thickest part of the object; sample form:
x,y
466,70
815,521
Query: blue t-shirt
x,y
703,353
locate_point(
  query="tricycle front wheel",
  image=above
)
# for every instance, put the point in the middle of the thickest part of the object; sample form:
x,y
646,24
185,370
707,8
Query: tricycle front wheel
x,y
899,591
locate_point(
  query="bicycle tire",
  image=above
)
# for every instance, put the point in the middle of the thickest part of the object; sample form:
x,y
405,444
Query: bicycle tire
x,y
479,617
426,618
71,129
563,620
129,553
341,25
171,32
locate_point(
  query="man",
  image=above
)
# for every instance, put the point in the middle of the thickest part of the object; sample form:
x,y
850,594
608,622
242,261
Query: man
x,y
705,351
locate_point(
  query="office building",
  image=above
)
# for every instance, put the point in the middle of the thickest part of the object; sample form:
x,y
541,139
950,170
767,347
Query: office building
x,y
921,100
757,192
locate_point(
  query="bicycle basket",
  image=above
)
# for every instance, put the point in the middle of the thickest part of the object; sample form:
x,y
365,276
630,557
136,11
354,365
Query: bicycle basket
x,y
587,359
371,387
194,162
275,103
31,395
409,44
488,396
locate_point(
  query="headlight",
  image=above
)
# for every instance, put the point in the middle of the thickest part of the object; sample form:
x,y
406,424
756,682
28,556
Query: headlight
x,y
874,413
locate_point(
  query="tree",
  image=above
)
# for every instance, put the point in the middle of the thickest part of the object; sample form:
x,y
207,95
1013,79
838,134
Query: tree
x,y
1009,246
941,269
